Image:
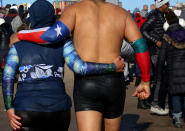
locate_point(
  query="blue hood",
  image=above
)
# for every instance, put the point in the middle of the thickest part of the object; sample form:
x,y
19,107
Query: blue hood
x,y
41,14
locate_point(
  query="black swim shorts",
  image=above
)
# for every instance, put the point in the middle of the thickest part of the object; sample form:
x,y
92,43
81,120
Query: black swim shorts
x,y
103,93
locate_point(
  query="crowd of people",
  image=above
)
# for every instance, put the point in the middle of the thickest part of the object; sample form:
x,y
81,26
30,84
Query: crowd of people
x,y
159,27
32,36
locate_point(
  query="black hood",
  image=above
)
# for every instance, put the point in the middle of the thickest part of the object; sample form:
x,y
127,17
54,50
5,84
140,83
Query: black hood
x,y
41,14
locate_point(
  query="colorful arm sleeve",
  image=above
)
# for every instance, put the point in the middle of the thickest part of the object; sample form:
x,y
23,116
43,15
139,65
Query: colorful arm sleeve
x,y
53,34
75,63
142,58
8,77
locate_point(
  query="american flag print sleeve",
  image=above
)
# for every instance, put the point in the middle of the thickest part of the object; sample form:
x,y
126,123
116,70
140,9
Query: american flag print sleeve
x,y
53,34
8,77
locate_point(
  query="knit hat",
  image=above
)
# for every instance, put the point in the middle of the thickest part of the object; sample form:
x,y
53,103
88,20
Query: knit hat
x,y
14,7
41,14
159,3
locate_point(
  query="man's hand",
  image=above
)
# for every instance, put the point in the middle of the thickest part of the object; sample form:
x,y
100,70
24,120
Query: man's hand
x,y
159,43
13,39
119,62
15,124
142,91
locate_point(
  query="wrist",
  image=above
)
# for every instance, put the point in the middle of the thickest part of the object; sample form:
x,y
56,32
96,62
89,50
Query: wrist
x,y
145,82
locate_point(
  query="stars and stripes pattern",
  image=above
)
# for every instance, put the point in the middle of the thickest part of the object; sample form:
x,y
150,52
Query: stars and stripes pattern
x,y
52,34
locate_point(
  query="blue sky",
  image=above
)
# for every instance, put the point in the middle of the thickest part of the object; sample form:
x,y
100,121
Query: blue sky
x,y
127,4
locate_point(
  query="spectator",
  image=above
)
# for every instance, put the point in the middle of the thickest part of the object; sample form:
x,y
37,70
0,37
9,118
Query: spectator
x,y
144,11
173,52
4,42
11,15
152,7
153,31
13,20
136,11
21,12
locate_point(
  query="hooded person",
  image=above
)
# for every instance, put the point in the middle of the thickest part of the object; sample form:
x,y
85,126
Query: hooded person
x,y
41,102
173,54
40,91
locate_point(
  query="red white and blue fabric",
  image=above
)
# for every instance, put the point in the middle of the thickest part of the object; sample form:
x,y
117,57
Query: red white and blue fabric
x,y
53,34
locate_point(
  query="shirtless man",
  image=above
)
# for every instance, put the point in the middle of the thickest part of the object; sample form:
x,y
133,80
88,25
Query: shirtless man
x,y
98,30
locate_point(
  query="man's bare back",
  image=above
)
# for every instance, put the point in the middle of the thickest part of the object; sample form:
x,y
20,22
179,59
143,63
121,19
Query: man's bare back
x,y
98,29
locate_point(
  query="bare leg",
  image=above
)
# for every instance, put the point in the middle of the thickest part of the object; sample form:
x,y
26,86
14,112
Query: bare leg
x,y
89,120
113,124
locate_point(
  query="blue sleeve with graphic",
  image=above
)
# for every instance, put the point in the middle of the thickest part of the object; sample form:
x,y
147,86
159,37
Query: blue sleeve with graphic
x,y
8,77
75,63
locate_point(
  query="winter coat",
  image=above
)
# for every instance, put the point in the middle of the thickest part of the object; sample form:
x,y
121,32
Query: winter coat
x,y
153,31
173,52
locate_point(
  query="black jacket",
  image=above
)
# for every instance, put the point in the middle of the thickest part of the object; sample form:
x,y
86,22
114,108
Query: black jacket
x,y
173,52
4,42
153,31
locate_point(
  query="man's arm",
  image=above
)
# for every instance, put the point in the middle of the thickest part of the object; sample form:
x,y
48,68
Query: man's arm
x,y
55,33
78,66
133,35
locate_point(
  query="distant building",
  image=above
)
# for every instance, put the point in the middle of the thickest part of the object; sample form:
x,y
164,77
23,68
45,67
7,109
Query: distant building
x,y
62,4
